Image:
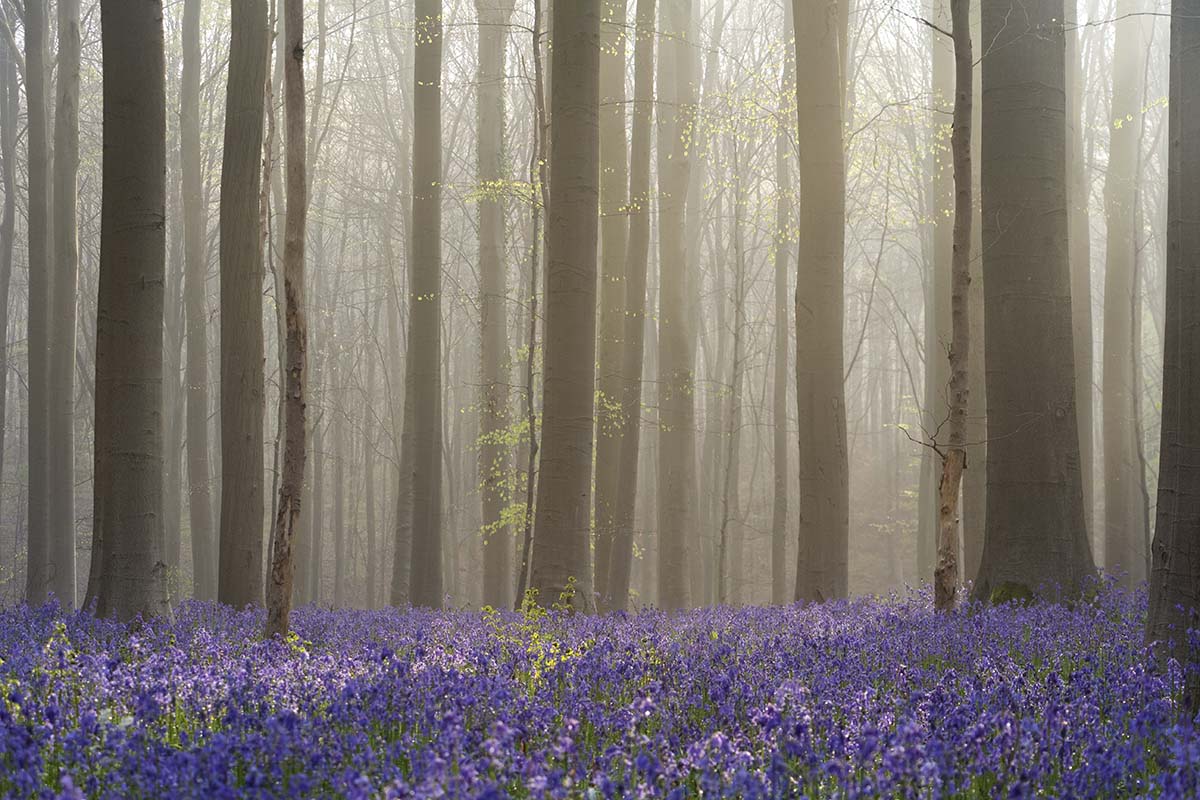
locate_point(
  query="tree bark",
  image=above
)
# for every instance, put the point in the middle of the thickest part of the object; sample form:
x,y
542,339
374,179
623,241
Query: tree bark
x,y
946,574
783,239
10,102
195,246
425,315
129,347
676,370
634,335
494,455
1123,534
1175,573
291,483
822,563
614,235
240,581
561,570
1036,537
37,575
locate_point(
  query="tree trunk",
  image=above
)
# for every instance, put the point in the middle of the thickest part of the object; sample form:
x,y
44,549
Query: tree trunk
x,y
676,373
195,246
729,556
1036,538
129,347
822,562
1175,574
10,102
494,455
779,418
340,554
634,336
614,236
946,574
240,581
291,484
562,562
425,316
37,575
1123,535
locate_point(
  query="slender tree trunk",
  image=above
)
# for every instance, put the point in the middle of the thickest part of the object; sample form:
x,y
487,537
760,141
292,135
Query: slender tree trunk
x,y
822,563
60,428
1036,538
129,347
729,552
425,315
295,454
494,455
946,574
634,336
1079,254
614,235
783,254
676,373
240,580
37,575
1123,537
369,444
9,112
1175,574
195,246
562,561
936,409
340,554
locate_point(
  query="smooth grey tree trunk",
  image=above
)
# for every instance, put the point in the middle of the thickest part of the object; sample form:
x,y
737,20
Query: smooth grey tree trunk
x,y
1175,572
129,348
1036,539
240,580
195,254
561,568
10,101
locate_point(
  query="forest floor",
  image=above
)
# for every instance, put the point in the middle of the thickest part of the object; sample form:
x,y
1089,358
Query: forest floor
x,y
864,698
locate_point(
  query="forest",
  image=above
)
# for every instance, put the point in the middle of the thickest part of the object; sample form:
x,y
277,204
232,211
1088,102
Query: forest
x,y
599,399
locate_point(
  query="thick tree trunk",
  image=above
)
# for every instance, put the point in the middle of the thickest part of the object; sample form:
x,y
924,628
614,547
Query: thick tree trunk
x,y
946,574
562,561
822,563
614,235
240,581
1036,537
1123,534
1175,574
37,575
634,335
291,483
60,429
677,492
129,347
195,246
494,455
425,312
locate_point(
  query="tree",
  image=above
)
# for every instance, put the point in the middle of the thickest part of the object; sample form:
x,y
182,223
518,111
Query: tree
x,y
1175,571
562,560
195,246
946,573
37,574
1123,535
131,577
291,483
634,336
240,580
60,431
424,374
10,101
494,16
614,234
822,559
1036,537
676,477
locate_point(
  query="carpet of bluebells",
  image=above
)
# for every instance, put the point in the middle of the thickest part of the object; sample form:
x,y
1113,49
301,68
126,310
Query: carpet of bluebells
x,y
863,698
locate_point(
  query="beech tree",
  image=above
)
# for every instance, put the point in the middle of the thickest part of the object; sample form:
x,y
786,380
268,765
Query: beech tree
x,y
129,573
